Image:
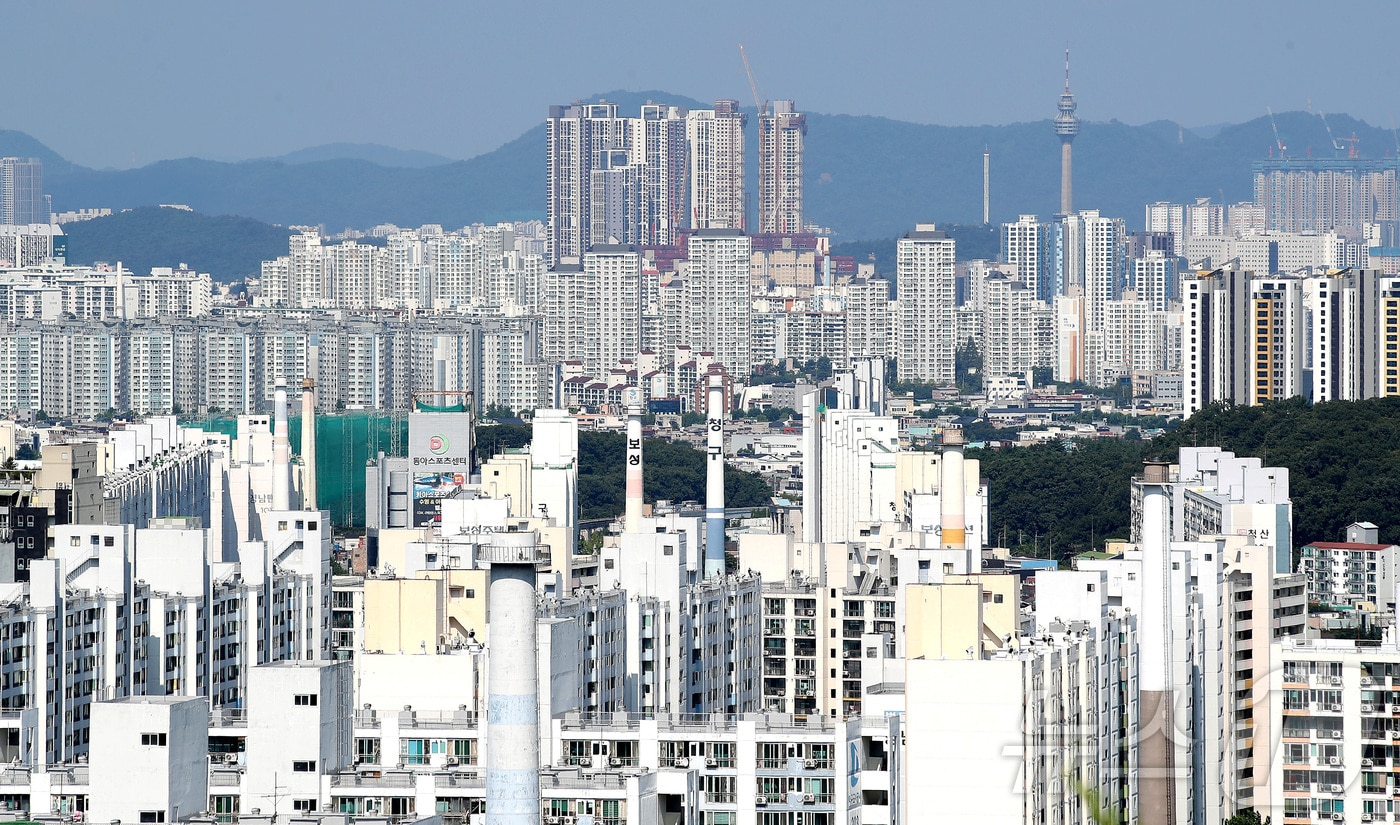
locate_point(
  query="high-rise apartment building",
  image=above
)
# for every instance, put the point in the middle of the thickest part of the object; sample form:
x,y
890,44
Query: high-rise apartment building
x,y
1028,245
868,319
22,192
617,272
1154,280
1017,329
1353,316
716,139
1185,221
578,138
613,179
781,133
1242,338
1094,254
717,294
1322,194
927,341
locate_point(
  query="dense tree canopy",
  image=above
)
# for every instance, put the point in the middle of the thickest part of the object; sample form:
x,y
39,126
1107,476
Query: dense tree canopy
x,y
1343,459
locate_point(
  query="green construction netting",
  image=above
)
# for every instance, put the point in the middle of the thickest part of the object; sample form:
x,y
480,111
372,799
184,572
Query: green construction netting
x,y
344,443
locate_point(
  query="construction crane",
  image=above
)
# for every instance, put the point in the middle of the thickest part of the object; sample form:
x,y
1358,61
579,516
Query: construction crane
x,y
1337,142
759,104
1351,144
1277,139
763,126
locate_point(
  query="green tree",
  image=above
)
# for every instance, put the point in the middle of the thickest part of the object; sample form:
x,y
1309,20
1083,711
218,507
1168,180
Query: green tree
x,y
968,367
1247,816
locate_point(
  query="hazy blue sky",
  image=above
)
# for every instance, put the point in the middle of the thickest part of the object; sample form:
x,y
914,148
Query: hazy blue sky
x,y
117,83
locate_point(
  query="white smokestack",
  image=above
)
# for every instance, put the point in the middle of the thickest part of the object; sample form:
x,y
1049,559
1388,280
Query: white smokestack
x,y
633,520
1154,626
1157,745
714,479
308,443
951,494
512,680
281,449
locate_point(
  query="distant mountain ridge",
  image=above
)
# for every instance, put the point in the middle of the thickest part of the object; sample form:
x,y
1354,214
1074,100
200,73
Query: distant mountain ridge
x,y
228,248
375,153
867,177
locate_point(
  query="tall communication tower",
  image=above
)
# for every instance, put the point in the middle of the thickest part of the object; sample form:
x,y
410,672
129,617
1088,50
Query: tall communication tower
x,y
1067,128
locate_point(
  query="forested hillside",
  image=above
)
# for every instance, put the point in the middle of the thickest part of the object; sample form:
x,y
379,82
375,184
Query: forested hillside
x,y
1343,459
227,247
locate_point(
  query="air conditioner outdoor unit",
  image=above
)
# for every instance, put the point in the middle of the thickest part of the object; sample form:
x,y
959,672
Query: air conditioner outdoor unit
x,y
1395,708
680,762
615,762
760,801
1368,708
1338,818
809,764
451,761
1334,760
710,762
552,820
1336,680
1365,817
1367,680
1335,708
1366,763
1334,788
231,758
808,799
586,762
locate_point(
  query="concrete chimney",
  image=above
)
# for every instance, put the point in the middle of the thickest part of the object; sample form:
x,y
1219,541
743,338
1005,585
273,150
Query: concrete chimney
x,y
308,443
714,477
1156,731
512,682
951,494
633,519
281,449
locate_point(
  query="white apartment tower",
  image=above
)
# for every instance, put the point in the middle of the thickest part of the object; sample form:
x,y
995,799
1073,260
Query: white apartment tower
x,y
781,134
22,192
1154,279
577,137
868,319
1024,245
1214,338
717,292
716,139
658,147
1100,260
1017,329
1354,318
616,274
927,340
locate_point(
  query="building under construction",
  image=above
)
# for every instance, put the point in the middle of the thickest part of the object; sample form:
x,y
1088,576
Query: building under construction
x,y
1327,194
